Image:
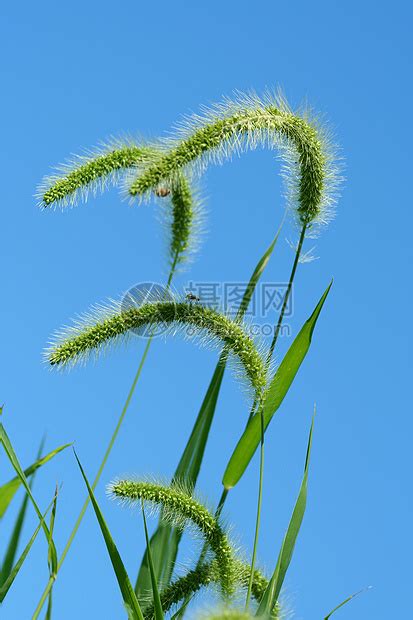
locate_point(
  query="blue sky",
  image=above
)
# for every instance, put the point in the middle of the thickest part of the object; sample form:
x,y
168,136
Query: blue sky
x,y
74,74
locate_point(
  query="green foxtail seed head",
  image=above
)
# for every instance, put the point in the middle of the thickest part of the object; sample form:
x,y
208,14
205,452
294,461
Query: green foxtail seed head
x,y
179,507
202,576
231,127
184,217
227,614
94,172
107,325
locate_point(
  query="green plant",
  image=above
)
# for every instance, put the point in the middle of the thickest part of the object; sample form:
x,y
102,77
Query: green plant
x,y
167,170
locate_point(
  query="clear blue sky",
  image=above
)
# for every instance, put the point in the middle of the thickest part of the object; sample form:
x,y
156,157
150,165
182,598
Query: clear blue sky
x,y
75,73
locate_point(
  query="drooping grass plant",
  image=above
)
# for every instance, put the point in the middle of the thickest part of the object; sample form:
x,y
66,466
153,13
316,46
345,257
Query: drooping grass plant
x,y
228,128
166,169
180,507
94,172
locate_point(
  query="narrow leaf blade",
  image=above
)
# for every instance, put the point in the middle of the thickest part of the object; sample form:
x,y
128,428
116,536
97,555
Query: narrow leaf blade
x,y
280,384
13,573
4,439
12,547
125,586
347,600
156,598
8,490
165,540
272,592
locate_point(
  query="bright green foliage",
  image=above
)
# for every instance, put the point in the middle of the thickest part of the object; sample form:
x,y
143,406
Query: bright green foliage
x,y
273,590
165,540
157,604
125,586
278,388
9,489
166,169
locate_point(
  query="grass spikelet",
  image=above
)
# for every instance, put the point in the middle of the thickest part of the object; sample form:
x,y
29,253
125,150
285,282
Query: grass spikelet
x,y
180,507
90,173
227,614
202,576
183,216
106,325
232,127
95,171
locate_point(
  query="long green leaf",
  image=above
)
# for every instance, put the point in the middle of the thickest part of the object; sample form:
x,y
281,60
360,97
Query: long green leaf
x,y
272,592
155,592
12,547
13,573
8,490
165,540
125,586
280,384
347,600
51,559
4,439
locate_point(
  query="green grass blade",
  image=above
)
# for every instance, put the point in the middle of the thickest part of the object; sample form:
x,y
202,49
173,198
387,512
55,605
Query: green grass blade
x,y
257,273
8,490
51,556
280,384
5,587
4,439
156,598
49,607
272,592
125,586
347,600
11,552
165,540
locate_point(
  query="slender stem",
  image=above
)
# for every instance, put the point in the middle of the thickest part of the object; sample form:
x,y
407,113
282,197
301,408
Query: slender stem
x,y
105,458
269,357
253,410
95,482
107,452
259,504
287,293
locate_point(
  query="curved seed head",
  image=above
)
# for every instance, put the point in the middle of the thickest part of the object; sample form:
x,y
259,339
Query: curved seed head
x,y
309,170
180,507
96,171
90,173
202,576
107,325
